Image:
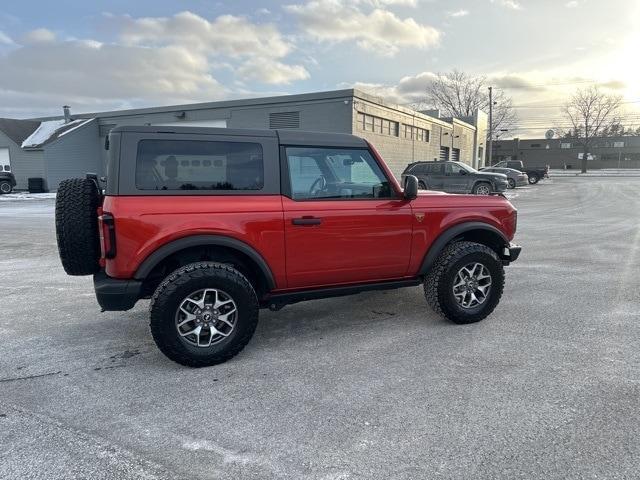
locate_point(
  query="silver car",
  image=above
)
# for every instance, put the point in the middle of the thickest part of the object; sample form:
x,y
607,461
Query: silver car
x,y
516,178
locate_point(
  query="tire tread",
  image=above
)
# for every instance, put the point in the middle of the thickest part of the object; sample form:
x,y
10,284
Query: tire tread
x,y
181,277
433,279
77,201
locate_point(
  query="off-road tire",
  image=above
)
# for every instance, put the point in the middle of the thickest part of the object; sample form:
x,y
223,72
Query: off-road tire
x,y
511,182
533,179
481,184
181,283
77,202
5,187
438,284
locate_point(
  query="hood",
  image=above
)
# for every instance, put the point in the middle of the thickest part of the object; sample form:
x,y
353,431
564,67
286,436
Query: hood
x,y
495,176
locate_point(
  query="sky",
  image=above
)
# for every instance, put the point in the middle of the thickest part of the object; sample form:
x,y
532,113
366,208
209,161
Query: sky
x,y
117,54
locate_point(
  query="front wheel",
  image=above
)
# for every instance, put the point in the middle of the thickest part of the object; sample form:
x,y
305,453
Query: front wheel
x,y
203,314
5,187
465,283
422,185
533,179
512,183
482,188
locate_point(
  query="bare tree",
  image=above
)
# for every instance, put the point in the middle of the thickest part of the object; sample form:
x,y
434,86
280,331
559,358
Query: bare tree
x,y
458,94
590,112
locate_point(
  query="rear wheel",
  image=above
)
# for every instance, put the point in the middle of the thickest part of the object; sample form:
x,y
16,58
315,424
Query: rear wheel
x,y
533,179
465,283
5,187
203,314
512,183
482,188
422,185
77,202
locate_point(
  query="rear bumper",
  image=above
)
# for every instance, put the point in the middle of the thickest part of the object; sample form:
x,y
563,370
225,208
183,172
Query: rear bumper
x,y
114,294
510,253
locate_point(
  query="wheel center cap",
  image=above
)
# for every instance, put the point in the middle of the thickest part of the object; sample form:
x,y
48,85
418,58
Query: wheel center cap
x,y
207,317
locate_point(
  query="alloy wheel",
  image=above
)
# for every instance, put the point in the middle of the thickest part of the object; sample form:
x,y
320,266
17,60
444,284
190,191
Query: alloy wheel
x,y
483,190
206,317
472,285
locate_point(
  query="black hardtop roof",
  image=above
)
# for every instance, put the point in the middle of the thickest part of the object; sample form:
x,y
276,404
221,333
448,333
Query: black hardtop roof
x,y
285,137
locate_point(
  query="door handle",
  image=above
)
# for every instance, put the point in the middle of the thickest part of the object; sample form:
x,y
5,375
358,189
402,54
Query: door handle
x,y
305,221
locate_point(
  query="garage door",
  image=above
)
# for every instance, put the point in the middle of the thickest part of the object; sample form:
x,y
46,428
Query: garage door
x,y
5,163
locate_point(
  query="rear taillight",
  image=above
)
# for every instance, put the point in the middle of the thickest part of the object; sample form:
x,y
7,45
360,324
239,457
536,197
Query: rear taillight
x,y
107,226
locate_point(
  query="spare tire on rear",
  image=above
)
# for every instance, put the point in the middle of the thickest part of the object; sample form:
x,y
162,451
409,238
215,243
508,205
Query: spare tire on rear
x,y
77,201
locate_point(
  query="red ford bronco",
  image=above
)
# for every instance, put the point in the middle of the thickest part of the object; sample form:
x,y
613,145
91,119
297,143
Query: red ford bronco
x,y
214,224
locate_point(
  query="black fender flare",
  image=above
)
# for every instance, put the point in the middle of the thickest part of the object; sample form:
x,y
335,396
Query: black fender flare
x,y
449,234
204,240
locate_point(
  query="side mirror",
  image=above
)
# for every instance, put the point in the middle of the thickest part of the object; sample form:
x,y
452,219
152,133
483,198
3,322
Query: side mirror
x,y
462,171
410,187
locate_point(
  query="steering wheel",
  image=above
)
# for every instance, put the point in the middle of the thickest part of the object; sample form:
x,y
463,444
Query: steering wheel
x,y
318,185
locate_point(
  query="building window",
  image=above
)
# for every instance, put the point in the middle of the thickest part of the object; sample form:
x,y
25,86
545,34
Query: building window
x,y
565,145
407,131
369,123
415,133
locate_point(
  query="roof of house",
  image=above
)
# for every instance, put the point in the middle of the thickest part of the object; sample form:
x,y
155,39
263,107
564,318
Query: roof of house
x,y
51,130
18,130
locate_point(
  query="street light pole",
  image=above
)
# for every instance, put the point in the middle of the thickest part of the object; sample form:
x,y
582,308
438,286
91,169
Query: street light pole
x,y
490,125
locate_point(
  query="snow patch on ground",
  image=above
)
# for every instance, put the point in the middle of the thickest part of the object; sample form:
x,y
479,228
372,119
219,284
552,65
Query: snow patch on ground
x,y
26,196
604,172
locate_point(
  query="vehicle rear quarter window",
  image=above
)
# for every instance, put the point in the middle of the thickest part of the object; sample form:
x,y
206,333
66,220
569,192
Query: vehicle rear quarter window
x,y
199,165
421,169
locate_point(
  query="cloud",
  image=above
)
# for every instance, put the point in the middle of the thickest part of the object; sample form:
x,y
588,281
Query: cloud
x,y
272,72
383,3
159,60
226,34
39,35
511,4
5,39
458,13
409,89
87,69
379,30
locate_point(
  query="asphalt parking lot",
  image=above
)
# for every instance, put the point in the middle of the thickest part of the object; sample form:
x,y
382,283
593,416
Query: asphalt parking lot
x,y
373,386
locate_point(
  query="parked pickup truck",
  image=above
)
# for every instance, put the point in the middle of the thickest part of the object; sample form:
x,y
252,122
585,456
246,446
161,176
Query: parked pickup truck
x,y
214,224
535,174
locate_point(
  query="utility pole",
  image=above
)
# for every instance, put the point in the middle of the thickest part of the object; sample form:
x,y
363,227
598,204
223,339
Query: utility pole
x,y
490,125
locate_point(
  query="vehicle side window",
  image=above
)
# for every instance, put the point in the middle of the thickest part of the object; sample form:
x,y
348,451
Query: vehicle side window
x,y
421,169
334,173
448,169
199,165
437,169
